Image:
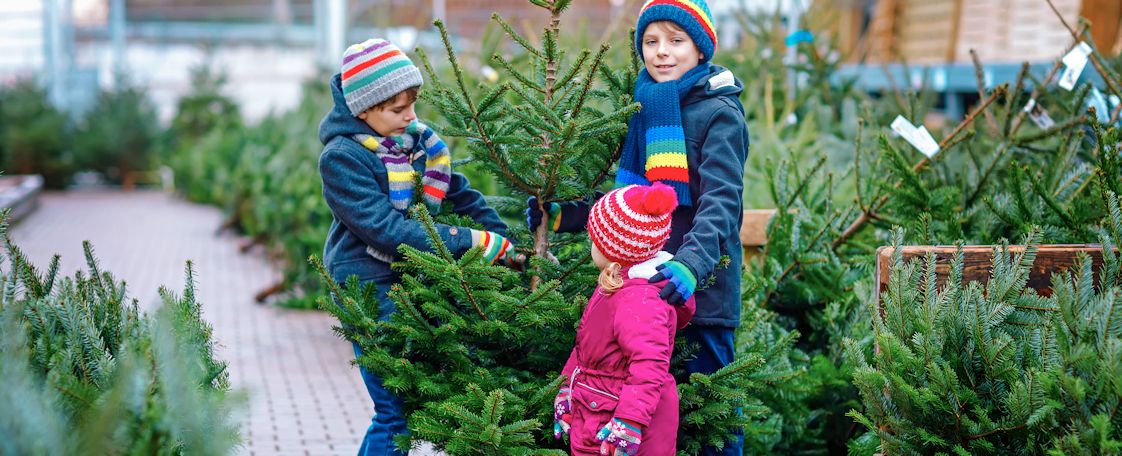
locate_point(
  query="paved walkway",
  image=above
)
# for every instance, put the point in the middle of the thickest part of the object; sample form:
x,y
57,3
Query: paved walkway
x,y
304,396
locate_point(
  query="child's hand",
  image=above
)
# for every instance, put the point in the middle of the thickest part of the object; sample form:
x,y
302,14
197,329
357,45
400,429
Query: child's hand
x,y
619,438
534,214
565,217
495,246
682,283
562,413
515,261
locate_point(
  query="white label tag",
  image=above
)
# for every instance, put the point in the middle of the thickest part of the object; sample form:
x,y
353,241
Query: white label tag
x,y
1038,115
1074,62
722,79
1077,55
919,138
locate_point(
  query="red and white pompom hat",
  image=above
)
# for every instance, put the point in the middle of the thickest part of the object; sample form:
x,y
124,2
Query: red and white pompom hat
x,y
631,224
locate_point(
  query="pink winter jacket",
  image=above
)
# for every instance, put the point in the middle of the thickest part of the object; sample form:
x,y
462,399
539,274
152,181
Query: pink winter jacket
x,y
620,367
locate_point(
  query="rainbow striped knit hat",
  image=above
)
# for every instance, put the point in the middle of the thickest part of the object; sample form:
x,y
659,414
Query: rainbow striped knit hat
x,y
374,71
691,15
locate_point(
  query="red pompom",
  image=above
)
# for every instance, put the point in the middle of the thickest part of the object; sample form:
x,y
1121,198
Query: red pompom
x,y
658,199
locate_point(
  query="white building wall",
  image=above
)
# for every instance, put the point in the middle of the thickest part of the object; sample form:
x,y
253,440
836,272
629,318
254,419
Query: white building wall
x,y
21,39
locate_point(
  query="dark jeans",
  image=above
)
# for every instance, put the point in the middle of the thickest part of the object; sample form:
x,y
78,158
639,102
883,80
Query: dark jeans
x,y
715,351
389,417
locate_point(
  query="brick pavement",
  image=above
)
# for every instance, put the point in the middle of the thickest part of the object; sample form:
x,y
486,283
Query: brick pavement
x,y
304,396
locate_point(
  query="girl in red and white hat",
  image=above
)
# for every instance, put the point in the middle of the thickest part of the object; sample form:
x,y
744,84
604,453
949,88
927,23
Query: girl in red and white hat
x,y
619,397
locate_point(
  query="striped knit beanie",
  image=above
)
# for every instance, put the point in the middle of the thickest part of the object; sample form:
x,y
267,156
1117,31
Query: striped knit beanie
x,y
631,224
691,15
374,71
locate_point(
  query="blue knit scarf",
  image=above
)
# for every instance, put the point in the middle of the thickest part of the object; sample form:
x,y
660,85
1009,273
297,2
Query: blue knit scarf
x,y
655,148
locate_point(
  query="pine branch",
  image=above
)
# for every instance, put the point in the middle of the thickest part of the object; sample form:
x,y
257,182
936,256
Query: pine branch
x,y
798,256
995,431
980,77
1038,88
857,165
814,169
1077,36
1010,109
1053,204
491,148
1052,132
865,216
502,62
515,36
575,67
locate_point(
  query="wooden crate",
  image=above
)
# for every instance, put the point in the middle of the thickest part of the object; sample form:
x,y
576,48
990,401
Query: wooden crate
x,y
978,259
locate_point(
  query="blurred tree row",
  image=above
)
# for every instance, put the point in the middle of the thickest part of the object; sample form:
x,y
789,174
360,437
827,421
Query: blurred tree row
x,y
117,137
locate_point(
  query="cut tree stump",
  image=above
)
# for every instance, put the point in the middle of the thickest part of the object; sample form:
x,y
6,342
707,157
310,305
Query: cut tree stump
x,y
271,290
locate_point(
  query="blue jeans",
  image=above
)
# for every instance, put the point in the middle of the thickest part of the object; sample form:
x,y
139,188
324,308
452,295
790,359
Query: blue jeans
x,y
388,420
715,350
389,417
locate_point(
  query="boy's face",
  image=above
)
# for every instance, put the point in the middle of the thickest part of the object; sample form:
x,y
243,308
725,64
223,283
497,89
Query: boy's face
x,y
668,52
391,118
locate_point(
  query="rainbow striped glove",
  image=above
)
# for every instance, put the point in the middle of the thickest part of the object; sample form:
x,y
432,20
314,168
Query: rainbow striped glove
x,y
682,284
619,438
495,246
562,413
534,215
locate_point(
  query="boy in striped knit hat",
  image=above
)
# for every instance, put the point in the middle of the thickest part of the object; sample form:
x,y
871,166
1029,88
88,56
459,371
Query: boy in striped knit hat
x,y
690,134
378,160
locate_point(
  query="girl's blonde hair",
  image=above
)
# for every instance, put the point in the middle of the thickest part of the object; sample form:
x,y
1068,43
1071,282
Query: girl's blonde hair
x,y
610,279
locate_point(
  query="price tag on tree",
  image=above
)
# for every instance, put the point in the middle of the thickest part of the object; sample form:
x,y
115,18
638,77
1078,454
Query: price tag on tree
x,y
917,137
1074,62
1038,115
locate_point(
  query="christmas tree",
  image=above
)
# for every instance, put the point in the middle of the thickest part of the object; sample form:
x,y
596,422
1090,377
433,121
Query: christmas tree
x,y
1001,173
475,350
86,372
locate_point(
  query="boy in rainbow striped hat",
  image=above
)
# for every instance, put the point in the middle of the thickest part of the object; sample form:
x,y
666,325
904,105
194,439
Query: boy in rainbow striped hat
x,y
690,134
378,160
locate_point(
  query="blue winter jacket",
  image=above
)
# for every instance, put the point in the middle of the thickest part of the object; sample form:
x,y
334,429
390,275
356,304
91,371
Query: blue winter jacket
x,y
355,188
716,147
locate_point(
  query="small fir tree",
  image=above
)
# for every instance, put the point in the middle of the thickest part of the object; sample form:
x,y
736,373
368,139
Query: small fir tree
x,y
86,372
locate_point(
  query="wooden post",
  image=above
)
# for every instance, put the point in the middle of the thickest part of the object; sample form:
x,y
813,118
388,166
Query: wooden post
x,y
1104,16
956,25
753,232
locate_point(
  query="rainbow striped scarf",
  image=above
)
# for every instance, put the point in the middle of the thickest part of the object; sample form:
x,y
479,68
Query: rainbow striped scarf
x,y
655,148
398,154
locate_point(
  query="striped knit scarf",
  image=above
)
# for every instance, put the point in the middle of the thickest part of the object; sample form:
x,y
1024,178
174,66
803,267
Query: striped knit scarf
x,y
655,148
398,153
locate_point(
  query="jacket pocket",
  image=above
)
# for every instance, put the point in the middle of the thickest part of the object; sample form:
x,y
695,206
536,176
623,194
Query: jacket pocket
x,y
592,408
